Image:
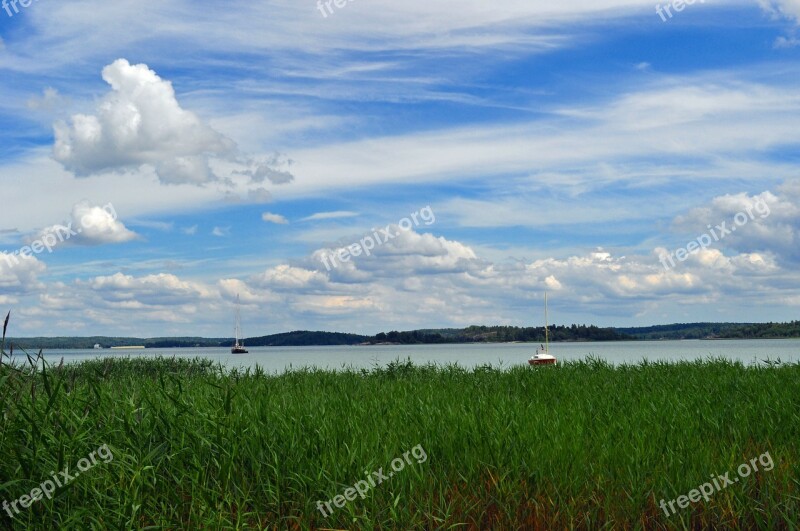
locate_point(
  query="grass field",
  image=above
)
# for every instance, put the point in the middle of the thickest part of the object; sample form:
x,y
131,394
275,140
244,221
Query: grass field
x,y
584,445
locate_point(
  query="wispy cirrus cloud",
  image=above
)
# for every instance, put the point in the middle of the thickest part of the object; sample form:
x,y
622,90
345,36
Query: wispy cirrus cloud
x,y
339,214
274,218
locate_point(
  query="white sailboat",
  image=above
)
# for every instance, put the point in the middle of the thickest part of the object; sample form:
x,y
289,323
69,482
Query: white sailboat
x,y
238,345
542,356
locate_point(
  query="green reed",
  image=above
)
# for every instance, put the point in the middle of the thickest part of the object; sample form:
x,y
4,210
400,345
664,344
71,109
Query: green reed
x,y
585,445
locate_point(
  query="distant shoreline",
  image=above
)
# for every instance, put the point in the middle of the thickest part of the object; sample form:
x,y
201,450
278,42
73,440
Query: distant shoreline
x,y
199,347
472,334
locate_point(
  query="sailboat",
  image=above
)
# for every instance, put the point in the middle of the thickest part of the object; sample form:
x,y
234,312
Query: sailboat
x,y
238,345
542,356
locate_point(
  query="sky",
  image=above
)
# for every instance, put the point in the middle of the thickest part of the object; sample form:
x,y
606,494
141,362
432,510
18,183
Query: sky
x,y
379,165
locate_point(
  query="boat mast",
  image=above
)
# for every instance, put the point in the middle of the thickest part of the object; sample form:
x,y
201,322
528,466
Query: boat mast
x,y
546,327
238,327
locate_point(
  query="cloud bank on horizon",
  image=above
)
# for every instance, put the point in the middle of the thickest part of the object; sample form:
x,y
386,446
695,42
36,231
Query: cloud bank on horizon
x,y
564,147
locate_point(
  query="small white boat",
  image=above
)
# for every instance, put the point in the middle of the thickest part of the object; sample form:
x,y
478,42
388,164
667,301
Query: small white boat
x,y
542,359
97,346
542,356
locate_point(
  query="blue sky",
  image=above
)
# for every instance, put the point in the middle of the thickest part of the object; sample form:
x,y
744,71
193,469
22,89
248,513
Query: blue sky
x,y
222,150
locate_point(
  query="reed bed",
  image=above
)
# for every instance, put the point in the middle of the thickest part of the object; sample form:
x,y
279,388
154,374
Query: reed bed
x,y
583,446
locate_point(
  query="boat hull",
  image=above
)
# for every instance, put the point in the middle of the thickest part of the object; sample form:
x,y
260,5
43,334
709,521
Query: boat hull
x,y
542,359
239,351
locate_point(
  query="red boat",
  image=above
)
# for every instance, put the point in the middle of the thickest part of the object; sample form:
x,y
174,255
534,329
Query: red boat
x,y
542,359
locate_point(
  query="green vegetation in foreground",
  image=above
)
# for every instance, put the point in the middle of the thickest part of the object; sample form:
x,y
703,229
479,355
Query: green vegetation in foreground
x,y
583,445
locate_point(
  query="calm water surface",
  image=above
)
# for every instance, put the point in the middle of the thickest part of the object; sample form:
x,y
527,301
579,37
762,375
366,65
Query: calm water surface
x,y
278,359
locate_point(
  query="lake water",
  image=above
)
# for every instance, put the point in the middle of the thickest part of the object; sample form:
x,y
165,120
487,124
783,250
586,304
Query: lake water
x,y
278,359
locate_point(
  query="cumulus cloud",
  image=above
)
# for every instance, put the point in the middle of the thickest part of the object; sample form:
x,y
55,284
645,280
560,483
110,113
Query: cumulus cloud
x,y
50,100
407,253
124,303
193,169
762,223
139,122
89,225
268,217
786,8
276,169
423,280
259,196
19,273
789,9
127,291
231,288
422,277
787,42
286,277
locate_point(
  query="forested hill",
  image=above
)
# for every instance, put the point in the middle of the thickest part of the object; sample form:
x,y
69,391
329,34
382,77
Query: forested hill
x,y
716,331
472,334
299,338
500,334
304,339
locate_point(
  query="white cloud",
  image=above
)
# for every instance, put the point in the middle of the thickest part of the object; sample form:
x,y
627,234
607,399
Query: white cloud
x,y
162,226
421,280
19,274
787,8
275,169
152,290
221,232
787,42
126,303
231,288
702,125
339,214
767,223
259,196
678,128
139,122
50,100
89,225
405,255
185,170
297,27
274,218
285,277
